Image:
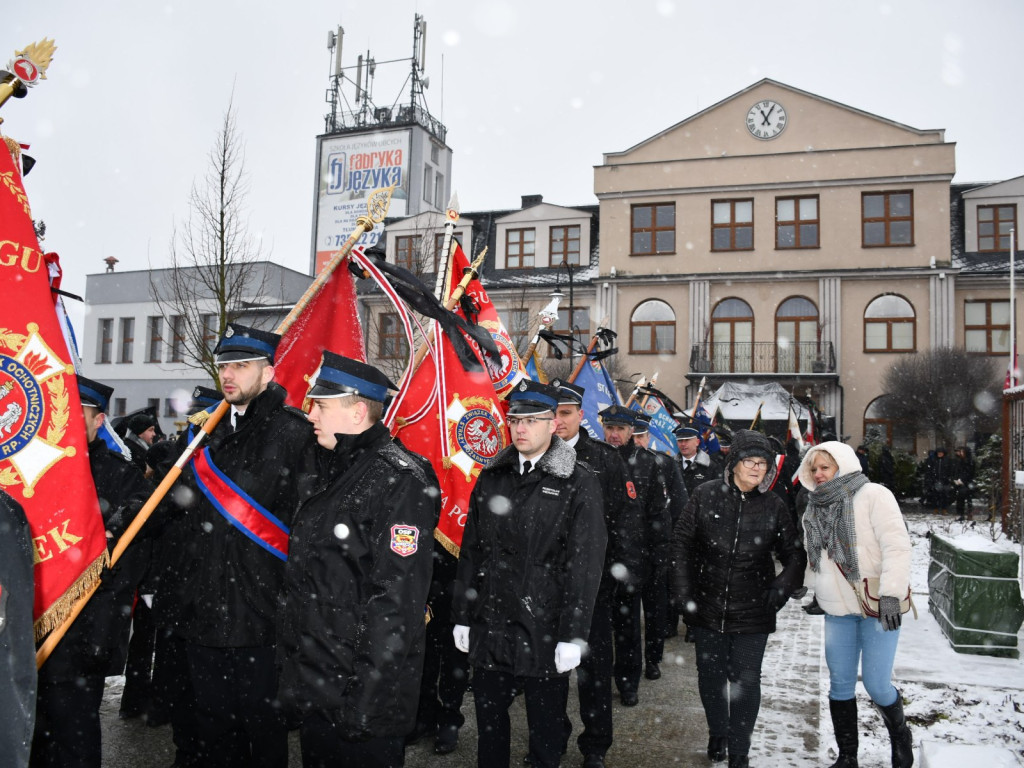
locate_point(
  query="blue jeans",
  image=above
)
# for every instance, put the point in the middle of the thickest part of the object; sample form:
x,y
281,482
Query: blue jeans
x,y
852,641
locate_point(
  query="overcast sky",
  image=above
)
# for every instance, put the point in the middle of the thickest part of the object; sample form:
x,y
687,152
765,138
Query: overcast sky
x,y
532,94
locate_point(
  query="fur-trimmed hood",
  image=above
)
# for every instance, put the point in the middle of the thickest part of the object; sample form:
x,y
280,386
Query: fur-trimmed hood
x,y
558,460
842,454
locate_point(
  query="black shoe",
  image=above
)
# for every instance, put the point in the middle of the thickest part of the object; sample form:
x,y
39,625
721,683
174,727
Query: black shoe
x,y
738,761
593,761
629,698
813,609
417,733
798,593
447,740
653,671
718,748
688,637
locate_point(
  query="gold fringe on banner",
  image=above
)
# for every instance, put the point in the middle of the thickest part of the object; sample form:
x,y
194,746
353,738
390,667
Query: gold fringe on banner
x,y
58,612
447,543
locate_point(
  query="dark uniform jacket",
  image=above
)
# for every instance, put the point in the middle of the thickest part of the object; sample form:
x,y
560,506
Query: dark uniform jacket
x,y
97,642
670,475
17,647
701,469
531,561
723,546
622,514
652,494
225,586
352,625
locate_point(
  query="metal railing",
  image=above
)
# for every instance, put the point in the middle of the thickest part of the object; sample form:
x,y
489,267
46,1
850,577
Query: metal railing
x,y
763,357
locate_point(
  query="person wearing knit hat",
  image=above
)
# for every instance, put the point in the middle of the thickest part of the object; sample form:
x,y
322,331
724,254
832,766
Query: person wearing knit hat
x,y
854,531
725,546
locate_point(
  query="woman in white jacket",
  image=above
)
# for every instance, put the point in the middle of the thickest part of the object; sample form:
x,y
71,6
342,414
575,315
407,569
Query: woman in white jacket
x,y
853,530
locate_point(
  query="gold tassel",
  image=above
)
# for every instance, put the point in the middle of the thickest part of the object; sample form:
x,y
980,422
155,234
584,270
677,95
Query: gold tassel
x,y
61,608
199,418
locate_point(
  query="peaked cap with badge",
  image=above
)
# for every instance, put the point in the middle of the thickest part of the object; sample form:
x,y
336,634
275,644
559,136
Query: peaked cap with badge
x,y
340,376
242,344
531,397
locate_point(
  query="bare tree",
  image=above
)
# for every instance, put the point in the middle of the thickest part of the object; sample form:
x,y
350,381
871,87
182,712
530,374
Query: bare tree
x,y
215,274
944,391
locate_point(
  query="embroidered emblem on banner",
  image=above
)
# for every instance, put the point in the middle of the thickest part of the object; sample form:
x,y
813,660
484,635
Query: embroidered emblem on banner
x,y
504,375
33,408
474,434
404,539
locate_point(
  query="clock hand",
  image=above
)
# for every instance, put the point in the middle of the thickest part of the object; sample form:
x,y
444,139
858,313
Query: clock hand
x,y
766,116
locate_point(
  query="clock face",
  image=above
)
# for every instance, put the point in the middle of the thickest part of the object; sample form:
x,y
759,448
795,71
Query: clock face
x,y
766,119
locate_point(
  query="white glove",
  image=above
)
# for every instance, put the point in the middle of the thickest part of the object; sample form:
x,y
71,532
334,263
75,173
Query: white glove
x,y
461,635
567,656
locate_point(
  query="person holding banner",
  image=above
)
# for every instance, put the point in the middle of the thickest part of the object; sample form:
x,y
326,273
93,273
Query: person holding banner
x,y
618,422
240,493
352,622
17,649
661,620
529,572
67,729
622,563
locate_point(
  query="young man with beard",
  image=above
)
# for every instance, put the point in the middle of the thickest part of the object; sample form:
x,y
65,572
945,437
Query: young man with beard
x,y
352,624
652,494
529,570
622,564
239,496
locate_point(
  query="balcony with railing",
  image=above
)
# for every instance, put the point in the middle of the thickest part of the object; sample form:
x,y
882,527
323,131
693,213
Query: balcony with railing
x,y
763,357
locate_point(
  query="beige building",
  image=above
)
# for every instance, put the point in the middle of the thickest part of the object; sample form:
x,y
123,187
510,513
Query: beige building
x,y
781,236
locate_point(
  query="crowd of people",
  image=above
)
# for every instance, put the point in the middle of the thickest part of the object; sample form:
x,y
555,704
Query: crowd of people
x,y
292,580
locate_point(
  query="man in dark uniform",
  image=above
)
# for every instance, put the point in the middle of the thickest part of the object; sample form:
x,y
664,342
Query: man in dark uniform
x,y
17,646
241,493
697,466
67,730
352,623
530,567
652,494
622,563
656,590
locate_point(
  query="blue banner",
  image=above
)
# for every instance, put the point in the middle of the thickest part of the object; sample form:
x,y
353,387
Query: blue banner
x,y
599,393
662,424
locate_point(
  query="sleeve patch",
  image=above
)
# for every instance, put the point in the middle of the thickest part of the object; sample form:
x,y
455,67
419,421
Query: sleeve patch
x,y
630,489
404,539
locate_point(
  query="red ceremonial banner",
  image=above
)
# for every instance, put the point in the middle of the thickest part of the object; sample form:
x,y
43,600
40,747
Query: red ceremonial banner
x,y
511,369
44,460
330,321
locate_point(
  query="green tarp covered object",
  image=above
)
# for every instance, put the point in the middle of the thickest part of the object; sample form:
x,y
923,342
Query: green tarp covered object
x,y
975,597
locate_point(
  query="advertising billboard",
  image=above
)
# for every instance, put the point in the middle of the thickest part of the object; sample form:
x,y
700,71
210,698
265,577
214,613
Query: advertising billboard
x,y
349,169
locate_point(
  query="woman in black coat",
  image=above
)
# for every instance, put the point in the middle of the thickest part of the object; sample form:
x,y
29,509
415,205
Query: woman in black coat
x,y
726,588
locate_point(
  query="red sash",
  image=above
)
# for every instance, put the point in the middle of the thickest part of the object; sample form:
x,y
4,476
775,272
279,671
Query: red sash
x,y
239,508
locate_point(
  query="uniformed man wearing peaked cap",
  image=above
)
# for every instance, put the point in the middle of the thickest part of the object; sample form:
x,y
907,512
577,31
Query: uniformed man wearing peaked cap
x,y
623,524
245,486
70,683
352,624
523,608
652,493
696,466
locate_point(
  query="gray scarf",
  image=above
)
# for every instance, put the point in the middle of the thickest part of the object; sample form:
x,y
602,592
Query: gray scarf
x,y
830,525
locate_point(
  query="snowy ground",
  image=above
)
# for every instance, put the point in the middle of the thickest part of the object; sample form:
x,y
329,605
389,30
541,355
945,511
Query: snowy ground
x,y
950,697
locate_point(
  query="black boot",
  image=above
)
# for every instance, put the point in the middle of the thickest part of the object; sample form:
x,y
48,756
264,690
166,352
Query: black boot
x,y
718,748
738,761
899,733
844,723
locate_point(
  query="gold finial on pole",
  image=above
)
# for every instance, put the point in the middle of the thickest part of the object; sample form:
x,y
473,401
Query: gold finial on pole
x,y
26,69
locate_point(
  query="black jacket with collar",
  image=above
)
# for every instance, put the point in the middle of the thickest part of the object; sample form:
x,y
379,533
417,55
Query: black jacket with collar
x,y
653,495
531,561
351,629
622,514
224,588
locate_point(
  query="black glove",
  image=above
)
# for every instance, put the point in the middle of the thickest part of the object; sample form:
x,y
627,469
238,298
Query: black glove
x,y
889,612
775,598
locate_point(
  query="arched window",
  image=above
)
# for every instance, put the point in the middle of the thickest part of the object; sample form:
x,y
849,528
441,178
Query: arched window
x,y
796,335
652,329
732,336
889,325
878,426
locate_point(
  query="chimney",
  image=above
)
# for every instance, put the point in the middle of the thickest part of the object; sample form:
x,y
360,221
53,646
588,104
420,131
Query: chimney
x,y
531,200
